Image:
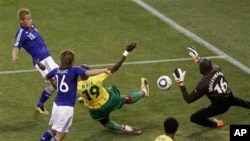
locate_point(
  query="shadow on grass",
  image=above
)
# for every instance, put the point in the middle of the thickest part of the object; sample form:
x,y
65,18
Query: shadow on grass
x,y
17,126
22,124
111,135
105,134
207,134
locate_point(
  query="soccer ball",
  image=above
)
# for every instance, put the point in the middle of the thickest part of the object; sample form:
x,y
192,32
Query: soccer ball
x,y
164,82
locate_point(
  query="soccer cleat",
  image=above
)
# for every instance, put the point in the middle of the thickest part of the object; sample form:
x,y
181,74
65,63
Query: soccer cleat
x,y
42,110
220,123
145,86
131,130
217,123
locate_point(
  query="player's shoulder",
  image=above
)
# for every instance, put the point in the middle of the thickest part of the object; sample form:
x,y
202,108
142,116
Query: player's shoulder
x,y
103,75
163,138
216,68
20,30
100,76
76,68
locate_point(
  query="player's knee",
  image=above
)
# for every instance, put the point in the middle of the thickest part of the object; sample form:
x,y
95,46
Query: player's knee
x,y
104,121
52,84
53,131
197,119
51,88
128,99
194,119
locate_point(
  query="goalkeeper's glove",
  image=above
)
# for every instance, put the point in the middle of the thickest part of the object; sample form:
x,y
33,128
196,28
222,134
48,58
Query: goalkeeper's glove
x,y
194,54
179,76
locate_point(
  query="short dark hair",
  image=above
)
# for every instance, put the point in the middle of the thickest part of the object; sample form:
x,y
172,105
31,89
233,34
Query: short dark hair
x,y
205,66
171,125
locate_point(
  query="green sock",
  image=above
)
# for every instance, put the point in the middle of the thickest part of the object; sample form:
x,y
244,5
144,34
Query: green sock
x,y
137,96
113,125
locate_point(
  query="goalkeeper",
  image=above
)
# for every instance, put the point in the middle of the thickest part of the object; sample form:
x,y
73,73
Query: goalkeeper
x,y
214,85
101,101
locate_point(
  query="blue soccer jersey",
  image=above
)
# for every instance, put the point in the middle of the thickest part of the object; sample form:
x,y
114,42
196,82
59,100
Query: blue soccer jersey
x,y
66,84
31,40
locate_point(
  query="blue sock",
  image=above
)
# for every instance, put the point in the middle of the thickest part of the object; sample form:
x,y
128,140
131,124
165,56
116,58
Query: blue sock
x,y
44,96
47,135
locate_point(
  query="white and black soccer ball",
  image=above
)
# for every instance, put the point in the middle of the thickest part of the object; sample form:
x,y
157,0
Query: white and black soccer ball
x,y
164,82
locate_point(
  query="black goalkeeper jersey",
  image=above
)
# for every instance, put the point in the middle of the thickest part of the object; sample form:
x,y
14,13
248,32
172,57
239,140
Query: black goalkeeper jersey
x,y
214,86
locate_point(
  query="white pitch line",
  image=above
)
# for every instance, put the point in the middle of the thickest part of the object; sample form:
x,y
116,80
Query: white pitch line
x,y
192,36
125,63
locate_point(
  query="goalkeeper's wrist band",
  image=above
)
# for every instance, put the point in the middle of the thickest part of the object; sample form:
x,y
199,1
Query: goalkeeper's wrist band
x,y
181,83
197,59
125,53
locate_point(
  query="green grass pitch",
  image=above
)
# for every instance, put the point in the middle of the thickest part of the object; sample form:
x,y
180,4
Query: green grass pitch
x,y
98,31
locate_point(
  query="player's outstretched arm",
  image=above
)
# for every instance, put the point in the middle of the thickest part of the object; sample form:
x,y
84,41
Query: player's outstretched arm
x,y
194,54
179,77
15,52
119,62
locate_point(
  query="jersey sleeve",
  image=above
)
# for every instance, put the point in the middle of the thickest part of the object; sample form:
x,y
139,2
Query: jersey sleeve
x,y
51,73
19,38
80,71
194,95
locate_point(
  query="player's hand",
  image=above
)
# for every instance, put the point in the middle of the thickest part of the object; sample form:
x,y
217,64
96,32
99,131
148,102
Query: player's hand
x,y
40,65
131,46
14,59
179,76
80,99
107,71
193,53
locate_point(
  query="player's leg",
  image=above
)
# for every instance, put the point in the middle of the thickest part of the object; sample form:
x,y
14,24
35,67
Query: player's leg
x,y
48,135
133,97
112,125
240,102
62,118
50,64
102,116
145,86
59,136
204,116
136,96
46,93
